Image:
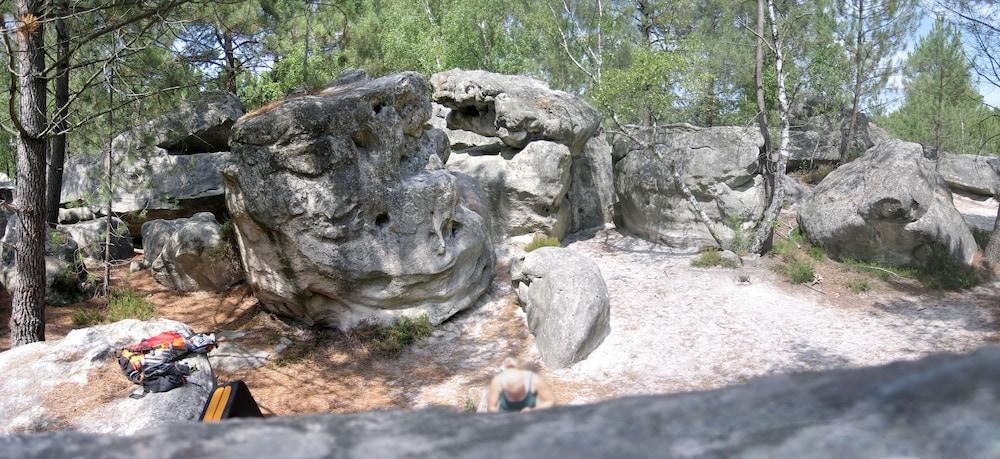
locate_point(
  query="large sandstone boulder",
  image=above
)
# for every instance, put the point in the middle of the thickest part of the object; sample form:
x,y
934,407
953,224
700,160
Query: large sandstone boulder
x,y
90,238
492,120
973,173
566,300
189,254
66,279
75,383
167,168
344,212
718,164
888,206
941,406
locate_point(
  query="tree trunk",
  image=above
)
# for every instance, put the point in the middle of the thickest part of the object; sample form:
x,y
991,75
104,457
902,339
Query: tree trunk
x,y
992,254
57,156
758,78
108,170
27,320
766,225
846,141
230,54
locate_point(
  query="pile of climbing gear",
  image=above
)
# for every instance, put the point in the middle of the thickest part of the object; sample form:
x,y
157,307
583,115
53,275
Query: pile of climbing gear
x,y
153,363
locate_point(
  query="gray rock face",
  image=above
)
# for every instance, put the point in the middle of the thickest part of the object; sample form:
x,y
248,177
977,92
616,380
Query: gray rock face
x,y
718,164
526,191
973,173
66,279
64,384
90,238
492,120
888,206
190,254
941,406
344,212
167,168
566,300
818,137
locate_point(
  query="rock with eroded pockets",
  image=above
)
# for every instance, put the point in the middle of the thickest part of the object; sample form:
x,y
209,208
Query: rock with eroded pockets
x,y
939,406
90,238
566,300
500,124
66,279
719,166
167,168
973,173
75,383
190,254
889,206
344,211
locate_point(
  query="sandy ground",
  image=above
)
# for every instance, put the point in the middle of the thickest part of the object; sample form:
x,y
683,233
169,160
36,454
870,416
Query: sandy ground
x,y
673,328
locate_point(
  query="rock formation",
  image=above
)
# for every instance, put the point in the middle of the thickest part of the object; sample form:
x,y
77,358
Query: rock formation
x,y
344,211
941,406
973,173
90,238
188,254
75,383
566,300
167,168
888,206
719,166
539,153
66,280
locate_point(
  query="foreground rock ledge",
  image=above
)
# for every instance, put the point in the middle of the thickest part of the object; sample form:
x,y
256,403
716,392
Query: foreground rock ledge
x,y
941,406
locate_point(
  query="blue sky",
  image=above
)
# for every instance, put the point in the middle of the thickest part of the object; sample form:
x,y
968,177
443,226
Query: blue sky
x,y
991,94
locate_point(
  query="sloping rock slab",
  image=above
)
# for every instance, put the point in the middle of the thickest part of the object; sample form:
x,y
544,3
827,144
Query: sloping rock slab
x,y
973,173
65,384
941,406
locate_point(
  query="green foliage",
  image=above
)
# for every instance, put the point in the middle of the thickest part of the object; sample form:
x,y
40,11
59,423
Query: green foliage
x,y
128,303
799,271
817,253
391,340
87,317
741,241
859,285
942,108
711,258
982,237
540,241
880,270
944,272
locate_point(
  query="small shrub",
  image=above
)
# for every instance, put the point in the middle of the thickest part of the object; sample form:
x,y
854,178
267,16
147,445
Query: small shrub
x,y
946,273
470,406
859,285
982,237
740,243
799,271
391,340
127,303
87,317
818,173
711,258
228,230
817,253
540,241
783,248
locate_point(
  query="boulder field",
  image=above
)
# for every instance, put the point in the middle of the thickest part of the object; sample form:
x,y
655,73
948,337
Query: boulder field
x,y
344,211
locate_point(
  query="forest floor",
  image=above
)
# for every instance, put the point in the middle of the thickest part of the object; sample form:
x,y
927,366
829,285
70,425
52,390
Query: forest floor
x,y
674,328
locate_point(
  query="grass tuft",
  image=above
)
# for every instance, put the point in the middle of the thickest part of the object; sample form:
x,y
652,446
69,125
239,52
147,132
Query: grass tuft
x,y
128,303
799,271
392,340
859,285
87,317
540,241
470,406
711,258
